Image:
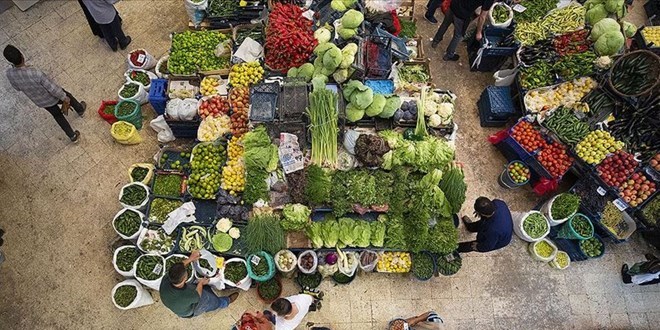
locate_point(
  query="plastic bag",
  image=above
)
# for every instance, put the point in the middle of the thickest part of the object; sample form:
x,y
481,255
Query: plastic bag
x,y
159,66
505,77
314,265
243,284
532,251
286,271
178,109
140,97
350,137
142,205
125,133
368,267
148,61
151,75
348,263
492,19
134,236
255,259
518,220
223,48
164,131
196,11
208,256
152,284
546,209
147,178
143,298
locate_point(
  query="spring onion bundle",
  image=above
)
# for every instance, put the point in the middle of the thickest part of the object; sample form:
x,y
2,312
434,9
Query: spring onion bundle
x,y
323,118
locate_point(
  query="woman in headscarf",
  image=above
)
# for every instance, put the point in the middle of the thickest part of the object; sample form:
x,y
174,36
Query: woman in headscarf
x,y
96,29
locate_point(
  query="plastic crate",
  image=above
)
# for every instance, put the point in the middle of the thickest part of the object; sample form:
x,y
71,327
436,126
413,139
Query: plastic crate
x,y
486,119
293,101
169,172
378,51
184,129
158,95
487,63
497,101
512,150
205,210
263,106
494,36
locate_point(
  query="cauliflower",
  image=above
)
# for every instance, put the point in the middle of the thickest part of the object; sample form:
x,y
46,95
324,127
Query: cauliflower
x,y
223,225
235,233
445,110
431,108
435,120
603,62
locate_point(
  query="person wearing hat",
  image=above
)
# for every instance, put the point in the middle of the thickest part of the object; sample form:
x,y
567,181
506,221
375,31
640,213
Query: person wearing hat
x,y
494,227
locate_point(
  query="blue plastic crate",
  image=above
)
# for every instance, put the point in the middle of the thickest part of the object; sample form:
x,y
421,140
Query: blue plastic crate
x,y
495,35
158,95
486,119
571,247
497,101
512,150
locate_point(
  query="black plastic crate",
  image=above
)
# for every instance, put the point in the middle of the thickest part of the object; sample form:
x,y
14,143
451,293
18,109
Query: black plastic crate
x,y
184,129
487,63
497,101
263,106
486,118
205,210
293,101
494,36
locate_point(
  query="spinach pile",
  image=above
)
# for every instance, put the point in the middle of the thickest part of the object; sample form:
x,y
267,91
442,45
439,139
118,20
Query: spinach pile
x,y
319,183
362,188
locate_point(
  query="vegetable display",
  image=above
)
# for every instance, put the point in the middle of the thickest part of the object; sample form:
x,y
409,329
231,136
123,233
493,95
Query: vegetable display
x,y
139,173
246,74
616,168
554,159
269,290
535,225
564,205
170,261
235,271
638,127
128,223
296,216
260,269
369,150
539,74
261,158
422,266
567,126
544,249
161,207
519,172
541,51
414,74
558,21
563,94
203,263
194,51
264,233
651,211
167,185
500,13
193,238
454,187
206,161
239,99
156,240
394,262
562,260
319,183
573,66
592,247
535,9
311,281
528,136
596,145
323,118
289,38
632,74
126,258
133,195
582,225
125,295
149,267
127,91
572,43
408,28
651,35
599,103
222,8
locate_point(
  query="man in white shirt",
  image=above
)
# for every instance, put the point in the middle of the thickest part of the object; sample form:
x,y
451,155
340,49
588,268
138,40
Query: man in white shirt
x,y
290,311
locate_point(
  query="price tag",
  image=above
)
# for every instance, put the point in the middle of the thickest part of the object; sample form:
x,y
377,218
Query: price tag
x,y
620,204
141,58
157,269
519,8
449,257
255,260
601,191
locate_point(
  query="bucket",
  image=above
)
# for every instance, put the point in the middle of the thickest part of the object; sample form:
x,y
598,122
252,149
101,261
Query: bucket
x,y
506,181
567,230
135,117
269,282
255,259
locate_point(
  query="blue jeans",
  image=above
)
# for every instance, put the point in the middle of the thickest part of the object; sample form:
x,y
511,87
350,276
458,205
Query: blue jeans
x,y
460,25
209,302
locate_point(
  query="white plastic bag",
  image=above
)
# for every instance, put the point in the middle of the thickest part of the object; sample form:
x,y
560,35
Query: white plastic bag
x,y
314,265
348,262
178,109
142,298
546,209
196,11
137,233
208,256
152,284
536,256
491,19
243,284
151,75
129,273
368,267
164,131
288,272
350,137
148,61
159,67
140,97
505,77
518,219
142,205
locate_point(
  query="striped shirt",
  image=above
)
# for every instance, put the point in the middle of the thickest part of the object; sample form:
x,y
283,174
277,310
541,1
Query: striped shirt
x,y
36,85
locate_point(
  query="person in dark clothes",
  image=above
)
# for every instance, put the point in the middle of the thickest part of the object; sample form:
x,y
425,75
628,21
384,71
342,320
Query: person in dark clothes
x,y
459,14
652,237
96,29
431,7
494,228
105,14
42,90
642,273
187,300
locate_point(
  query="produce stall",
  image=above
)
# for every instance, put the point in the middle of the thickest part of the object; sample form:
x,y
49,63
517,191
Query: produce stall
x,y
310,150
584,86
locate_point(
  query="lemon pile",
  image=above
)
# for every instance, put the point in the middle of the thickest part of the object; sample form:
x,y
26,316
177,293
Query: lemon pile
x,y
394,262
233,174
246,74
566,94
651,34
596,145
205,163
208,86
212,128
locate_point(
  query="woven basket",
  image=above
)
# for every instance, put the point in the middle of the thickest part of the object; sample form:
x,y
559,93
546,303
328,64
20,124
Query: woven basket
x,y
654,71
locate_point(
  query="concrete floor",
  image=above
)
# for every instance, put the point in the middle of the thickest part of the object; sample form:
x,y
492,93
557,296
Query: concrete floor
x,y
60,198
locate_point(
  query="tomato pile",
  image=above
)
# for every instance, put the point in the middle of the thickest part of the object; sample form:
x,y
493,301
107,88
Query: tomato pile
x,y
214,106
615,169
554,159
289,39
637,189
239,98
528,137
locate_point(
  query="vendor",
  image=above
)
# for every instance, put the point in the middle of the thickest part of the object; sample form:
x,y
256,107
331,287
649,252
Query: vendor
x,y
187,300
291,310
494,228
460,14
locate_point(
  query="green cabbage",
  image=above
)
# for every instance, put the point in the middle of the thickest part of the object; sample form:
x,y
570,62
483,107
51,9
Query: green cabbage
x,y
350,87
331,59
346,61
322,48
340,75
349,3
613,5
376,106
362,98
222,242
595,14
629,29
353,113
346,33
392,104
603,26
292,73
350,49
330,233
609,43
352,19
306,71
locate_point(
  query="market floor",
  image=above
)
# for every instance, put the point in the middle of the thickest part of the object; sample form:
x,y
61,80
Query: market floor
x,y
60,197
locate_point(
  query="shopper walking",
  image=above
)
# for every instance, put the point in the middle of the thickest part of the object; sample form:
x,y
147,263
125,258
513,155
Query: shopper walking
x,y
494,228
42,90
431,7
105,14
642,273
291,310
460,14
187,300
426,321
96,28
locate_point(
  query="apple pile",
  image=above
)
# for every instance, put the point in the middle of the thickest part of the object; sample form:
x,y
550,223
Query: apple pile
x,y
528,137
636,189
616,168
518,172
554,159
214,106
239,97
655,162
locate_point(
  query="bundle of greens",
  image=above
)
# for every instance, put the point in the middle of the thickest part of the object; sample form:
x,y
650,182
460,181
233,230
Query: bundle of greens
x,y
395,233
264,233
261,158
319,182
454,187
424,155
296,217
323,118
359,189
346,232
